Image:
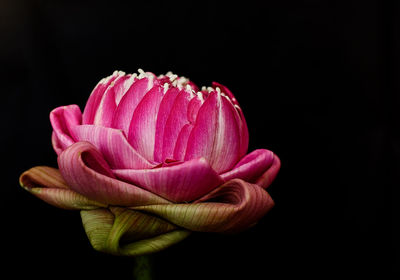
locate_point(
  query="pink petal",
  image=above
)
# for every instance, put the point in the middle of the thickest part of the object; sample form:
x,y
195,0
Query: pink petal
x,y
225,90
62,120
176,120
193,108
163,113
143,125
182,182
244,132
123,87
108,104
113,145
57,145
181,142
266,179
96,97
126,107
193,86
251,167
215,134
86,172
232,207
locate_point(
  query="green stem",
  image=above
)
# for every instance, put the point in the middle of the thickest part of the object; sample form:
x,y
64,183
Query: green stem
x,y
143,268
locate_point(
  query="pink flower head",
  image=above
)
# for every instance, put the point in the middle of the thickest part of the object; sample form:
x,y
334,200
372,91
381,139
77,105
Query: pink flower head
x,y
162,146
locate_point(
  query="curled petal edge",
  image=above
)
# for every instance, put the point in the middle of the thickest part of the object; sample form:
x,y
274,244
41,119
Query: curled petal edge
x,y
62,120
232,207
112,144
269,176
86,172
47,184
251,166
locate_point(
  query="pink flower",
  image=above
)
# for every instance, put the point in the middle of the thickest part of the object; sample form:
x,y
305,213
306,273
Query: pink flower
x,y
156,147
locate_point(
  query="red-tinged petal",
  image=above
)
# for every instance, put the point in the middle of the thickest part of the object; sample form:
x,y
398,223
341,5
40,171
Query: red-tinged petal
x,y
86,172
164,79
244,132
225,90
215,134
232,207
126,107
181,142
176,120
62,120
47,184
266,179
163,113
143,125
96,96
181,182
113,145
251,167
193,86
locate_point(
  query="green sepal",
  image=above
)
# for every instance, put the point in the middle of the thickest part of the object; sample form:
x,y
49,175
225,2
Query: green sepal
x,y
125,232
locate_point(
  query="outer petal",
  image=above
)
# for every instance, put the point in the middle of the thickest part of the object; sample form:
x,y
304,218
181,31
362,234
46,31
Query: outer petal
x,y
226,91
234,206
244,132
143,125
57,145
113,145
47,184
251,167
215,134
126,107
86,172
62,120
266,179
182,182
96,96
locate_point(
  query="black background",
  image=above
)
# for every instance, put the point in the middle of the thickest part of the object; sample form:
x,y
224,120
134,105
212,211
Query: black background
x,y
318,82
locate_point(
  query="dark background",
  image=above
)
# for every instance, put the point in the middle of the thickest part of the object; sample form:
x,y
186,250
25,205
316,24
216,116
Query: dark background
x,y
318,82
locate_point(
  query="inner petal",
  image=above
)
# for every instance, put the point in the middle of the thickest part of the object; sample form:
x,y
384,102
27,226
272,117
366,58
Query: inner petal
x,y
175,122
142,129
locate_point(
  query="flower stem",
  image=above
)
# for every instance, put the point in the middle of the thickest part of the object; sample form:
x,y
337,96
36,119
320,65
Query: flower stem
x,y
143,268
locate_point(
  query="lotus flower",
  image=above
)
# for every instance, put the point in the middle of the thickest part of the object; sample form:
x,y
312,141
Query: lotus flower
x,y
152,159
